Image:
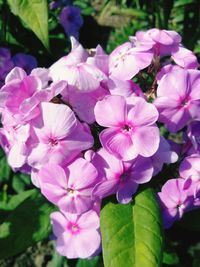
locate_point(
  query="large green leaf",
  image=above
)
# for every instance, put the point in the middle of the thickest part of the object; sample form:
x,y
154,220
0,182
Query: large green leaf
x,y
132,233
34,13
25,225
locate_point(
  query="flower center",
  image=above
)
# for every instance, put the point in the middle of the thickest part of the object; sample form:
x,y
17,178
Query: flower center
x,y
71,191
73,227
184,102
53,142
126,128
123,177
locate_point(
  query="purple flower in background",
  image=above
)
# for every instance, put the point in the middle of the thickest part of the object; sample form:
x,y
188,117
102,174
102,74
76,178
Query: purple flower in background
x,y
24,61
6,64
71,20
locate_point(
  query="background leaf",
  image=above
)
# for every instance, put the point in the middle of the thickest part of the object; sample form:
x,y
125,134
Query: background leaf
x,y
34,13
27,224
132,233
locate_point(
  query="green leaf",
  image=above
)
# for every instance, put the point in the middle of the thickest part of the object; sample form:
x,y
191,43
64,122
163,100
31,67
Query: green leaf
x,y
170,258
132,233
88,263
15,200
34,13
20,181
5,170
27,224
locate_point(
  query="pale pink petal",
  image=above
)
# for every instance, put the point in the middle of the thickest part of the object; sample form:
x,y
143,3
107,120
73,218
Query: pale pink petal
x,y
89,220
39,155
118,143
82,174
106,188
143,114
111,111
66,245
16,73
53,174
146,140
88,242
58,119
59,223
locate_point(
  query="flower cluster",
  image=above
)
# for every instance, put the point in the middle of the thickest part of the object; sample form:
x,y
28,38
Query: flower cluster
x,y
85,130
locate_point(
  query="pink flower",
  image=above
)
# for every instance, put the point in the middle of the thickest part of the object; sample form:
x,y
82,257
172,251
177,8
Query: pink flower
x,y
29,92
132,130
71,190
164,154
72,68
176,198
127,60
190,168
178,100
14,140
77,236
165,43
122,178
83,103
57,136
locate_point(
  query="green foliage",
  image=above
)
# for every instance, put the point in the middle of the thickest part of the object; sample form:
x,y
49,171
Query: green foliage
x,y
132,233
27,224
34,14
95,262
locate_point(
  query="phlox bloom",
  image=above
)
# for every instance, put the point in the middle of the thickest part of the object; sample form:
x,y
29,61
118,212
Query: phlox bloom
x,y
178,99
57,136
117,177
77,236
131,128
70,190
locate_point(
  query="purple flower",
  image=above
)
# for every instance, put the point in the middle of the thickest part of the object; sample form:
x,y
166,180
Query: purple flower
x,y
127,60
122,178
71,20
77,235
24,61
194,135
6,64
70,190
164,154
131,128
58,137
178,98
190,168
175,198
29,92
163,43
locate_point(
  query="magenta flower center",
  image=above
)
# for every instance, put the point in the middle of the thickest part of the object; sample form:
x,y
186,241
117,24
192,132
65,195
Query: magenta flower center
x,y
184,102
53,142
73,227
126,128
